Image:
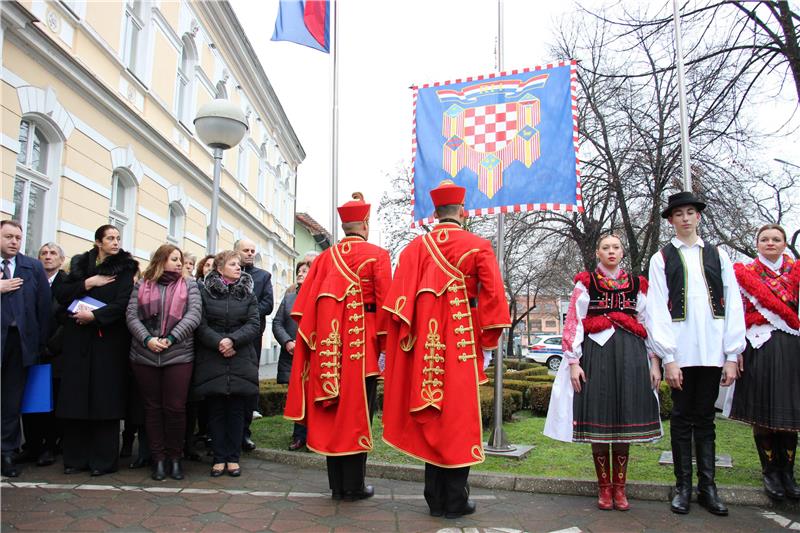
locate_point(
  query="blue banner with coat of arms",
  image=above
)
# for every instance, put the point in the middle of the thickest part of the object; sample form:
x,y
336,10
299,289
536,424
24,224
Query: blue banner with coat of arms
x,y
509,138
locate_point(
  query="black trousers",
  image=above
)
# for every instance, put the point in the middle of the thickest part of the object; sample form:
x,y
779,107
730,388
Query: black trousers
x,y
91,444
226,425
446,489
13,385
693,407
346,473
43,430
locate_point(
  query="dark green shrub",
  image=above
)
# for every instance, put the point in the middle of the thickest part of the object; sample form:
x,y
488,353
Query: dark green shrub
x,y
271,397
664,400
539,396
512,401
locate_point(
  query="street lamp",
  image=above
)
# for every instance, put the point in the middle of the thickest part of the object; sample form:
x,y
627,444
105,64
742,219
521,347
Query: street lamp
x,y
221,125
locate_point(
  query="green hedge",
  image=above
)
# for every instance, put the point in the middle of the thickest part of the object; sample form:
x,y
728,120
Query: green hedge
x,y
519,364
512,402
539,396
536,370
664,400
271,397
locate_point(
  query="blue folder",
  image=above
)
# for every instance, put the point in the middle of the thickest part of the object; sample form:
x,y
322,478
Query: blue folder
x,y
38,395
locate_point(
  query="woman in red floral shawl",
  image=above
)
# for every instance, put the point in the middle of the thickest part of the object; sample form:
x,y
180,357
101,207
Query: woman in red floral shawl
x,y
767,394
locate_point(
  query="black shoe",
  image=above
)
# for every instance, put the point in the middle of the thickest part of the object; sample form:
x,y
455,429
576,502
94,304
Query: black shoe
x,y
95,472
177,470
468,508
69,470
336,495
708,498
437,512
46,458
235,472
9,468
367,492
248,445
680,501
159,471
787,448
218,472
296,445
139,462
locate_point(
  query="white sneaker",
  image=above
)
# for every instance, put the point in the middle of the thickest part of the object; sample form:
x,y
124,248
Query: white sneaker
x,y
257,415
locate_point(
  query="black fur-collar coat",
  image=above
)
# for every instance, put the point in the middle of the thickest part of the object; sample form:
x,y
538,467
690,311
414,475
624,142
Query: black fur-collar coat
x,y
95,369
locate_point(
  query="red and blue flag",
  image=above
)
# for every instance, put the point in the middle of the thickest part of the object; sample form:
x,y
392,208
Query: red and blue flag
x,y
510,138
305,22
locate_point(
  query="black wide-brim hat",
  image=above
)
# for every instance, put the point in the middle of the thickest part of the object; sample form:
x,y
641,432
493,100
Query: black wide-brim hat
x,y
681,199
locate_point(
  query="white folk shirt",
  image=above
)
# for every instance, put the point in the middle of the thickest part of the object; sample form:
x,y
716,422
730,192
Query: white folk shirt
x,y
703,339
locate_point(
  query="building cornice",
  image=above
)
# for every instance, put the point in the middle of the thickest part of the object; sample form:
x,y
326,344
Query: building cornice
x,y
225,26
23,30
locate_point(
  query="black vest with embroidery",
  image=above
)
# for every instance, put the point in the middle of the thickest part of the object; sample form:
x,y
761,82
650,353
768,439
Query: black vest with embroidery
x,y
675,273
602,301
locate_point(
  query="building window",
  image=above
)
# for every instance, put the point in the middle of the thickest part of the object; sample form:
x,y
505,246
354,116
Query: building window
x,y
550,324
185,81
123,205
176,223
241,166
31,184
134,26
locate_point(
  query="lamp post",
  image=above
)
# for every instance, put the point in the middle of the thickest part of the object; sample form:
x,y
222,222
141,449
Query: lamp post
x,y
221,125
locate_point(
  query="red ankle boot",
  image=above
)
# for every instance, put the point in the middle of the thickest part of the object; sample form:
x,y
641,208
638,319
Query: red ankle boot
x,y
620,477
603,470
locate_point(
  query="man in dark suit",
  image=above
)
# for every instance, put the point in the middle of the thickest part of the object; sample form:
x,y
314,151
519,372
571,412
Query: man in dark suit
x,y
43,430
25,319
262,288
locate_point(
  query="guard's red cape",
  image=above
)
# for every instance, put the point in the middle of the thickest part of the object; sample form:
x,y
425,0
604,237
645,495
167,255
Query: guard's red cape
x,y
340,335
434,356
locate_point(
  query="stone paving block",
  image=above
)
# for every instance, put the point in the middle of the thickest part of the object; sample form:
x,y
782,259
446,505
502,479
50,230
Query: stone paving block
x,y
211,518
166,523
88,524
123,520
88,513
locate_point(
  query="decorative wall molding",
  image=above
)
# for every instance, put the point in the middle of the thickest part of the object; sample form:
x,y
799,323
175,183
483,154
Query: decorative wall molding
x,y
38,101
123,157
86,182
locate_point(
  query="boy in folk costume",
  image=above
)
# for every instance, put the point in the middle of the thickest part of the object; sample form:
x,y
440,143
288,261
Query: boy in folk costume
x,y
604,392
767,393
448,308
341,333
693,283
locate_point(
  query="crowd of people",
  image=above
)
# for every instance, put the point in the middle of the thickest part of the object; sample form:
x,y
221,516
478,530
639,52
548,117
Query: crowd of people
x,y
167,350
184,337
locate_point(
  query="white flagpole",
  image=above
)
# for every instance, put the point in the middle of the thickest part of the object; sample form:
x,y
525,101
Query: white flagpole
x,y
684,115
335,125
498,442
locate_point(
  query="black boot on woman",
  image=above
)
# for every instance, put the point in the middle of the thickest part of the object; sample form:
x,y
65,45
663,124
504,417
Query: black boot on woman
x,y
177,470
159,471
770,456
788,447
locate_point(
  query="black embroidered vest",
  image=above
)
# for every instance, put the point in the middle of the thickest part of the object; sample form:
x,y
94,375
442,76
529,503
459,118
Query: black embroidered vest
x,y
602,301
675,273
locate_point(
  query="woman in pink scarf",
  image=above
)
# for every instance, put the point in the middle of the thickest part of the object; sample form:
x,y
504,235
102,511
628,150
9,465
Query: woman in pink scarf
x,y
163,312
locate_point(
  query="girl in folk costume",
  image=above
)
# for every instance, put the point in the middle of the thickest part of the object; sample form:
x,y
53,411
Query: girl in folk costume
x,y
767,393
605,394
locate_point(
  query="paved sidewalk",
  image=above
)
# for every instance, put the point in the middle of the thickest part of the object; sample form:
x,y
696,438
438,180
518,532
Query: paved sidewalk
x,y
278,497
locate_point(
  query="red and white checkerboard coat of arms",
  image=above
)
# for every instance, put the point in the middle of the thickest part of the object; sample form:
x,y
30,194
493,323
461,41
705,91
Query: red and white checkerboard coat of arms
x,y
488,138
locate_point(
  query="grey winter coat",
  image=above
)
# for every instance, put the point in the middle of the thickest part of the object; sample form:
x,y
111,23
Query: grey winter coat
x,y
284,329
228,311
182,351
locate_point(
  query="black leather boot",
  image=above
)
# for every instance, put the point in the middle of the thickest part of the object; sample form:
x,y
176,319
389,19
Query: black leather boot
x,y
706,488
786,451
177,469
159,471
770,456
682,465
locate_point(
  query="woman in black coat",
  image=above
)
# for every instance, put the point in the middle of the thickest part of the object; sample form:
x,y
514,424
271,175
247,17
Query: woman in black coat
x,y
226,365
94,376
284,329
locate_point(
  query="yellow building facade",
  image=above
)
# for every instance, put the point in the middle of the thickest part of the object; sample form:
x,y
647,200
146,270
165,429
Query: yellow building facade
x,y
98,100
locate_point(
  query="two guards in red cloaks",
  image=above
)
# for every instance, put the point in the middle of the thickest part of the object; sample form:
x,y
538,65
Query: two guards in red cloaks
x,y
448,308
341,332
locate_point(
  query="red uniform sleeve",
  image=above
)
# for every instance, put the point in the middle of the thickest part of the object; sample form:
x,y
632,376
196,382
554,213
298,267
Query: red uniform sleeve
x,y
493,313
383,281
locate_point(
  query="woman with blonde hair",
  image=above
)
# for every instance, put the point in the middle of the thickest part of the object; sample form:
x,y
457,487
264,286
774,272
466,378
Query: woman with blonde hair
x,y
226,365
163,312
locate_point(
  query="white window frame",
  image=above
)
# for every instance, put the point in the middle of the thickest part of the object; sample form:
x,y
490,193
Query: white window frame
x,y
176,213
243,166
185,81
46,180
133,48
126,218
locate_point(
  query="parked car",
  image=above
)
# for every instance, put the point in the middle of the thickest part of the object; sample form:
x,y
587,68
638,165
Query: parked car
x,y
546,350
